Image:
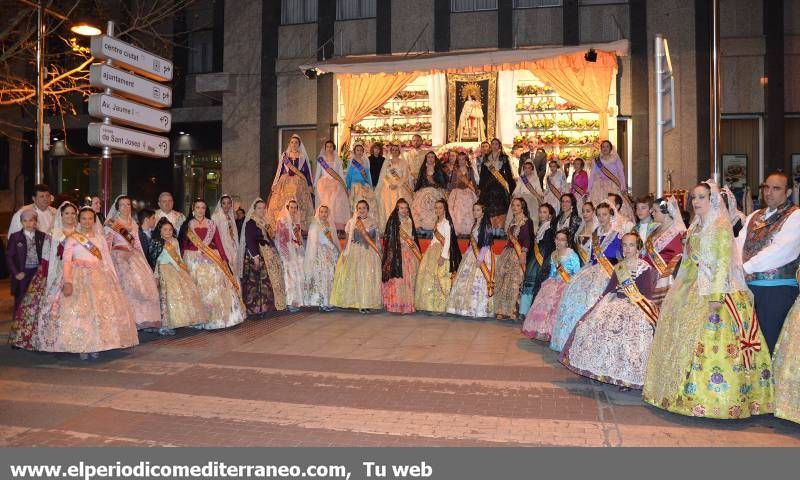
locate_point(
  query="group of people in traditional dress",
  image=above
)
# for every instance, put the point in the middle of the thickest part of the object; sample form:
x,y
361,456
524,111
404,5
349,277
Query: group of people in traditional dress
x,y
692,316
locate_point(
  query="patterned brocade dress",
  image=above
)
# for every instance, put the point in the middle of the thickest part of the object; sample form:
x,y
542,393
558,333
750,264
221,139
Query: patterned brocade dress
x,y
471,295
509,272
786,363
219,290
322,253
97,316
357,281
612,341
434,280
398,293
135,276
697,366
462,196
263,289
542,316
586,287
180,301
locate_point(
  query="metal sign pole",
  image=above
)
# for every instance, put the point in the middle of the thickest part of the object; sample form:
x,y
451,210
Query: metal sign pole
x,y
716,93
659,50
105,162
40,33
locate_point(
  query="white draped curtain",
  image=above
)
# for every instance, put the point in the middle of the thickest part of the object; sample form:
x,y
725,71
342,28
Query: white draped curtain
x,y
437,94
506,105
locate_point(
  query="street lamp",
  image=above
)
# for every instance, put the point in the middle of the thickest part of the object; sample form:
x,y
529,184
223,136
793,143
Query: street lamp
x,y
82,28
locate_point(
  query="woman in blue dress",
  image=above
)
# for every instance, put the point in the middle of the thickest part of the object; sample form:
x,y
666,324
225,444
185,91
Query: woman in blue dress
x,y
358,180
588,285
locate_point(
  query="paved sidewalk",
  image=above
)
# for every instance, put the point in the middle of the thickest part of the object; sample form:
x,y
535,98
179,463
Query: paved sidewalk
x,y
339,379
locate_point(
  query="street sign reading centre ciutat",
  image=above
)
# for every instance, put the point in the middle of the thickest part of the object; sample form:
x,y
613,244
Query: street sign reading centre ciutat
x,y
128,139
132,58
129,113
130,85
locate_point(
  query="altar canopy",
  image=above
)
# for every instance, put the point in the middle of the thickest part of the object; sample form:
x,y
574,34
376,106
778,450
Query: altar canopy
x,y
368,84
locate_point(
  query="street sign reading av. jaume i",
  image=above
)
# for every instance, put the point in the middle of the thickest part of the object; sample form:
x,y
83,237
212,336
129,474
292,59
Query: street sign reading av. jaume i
x,y
129,113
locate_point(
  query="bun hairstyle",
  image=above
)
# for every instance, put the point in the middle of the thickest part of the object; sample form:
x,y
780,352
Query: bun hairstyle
x,y
661,203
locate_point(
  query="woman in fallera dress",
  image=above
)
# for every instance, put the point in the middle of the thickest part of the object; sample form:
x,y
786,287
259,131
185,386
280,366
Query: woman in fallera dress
x,y
585,289
555,185
513,261
401,259
528,188
94,314
204,256
496,184
329,186
180,300
612,341
472,294
663,248
564,264
263,288
357,280
322,252
569,217
358,180
580,181
786,362
41,300
439,264
393,184
289,241
293,182
462,187
709,357
583,237
608,176
134,273
539,263
429,189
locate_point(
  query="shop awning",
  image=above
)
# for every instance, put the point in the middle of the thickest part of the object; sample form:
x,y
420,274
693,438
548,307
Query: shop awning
x,y
471,61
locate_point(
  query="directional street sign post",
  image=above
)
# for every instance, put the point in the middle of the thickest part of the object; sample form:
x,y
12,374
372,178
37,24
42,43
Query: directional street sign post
x,y
129,113
132,58
128,139
130,85
132,96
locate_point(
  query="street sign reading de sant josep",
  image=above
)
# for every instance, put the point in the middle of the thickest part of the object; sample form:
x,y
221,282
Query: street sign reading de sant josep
x,y
129,113
130,85
133,58
129,140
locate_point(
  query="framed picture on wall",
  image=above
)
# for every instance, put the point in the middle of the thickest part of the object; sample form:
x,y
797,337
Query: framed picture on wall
x,y
734,174
796,167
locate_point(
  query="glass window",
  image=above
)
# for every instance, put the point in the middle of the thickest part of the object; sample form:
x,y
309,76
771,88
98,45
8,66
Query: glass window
x,y
472,5
298,11
601,2
536,3
354,9
201,51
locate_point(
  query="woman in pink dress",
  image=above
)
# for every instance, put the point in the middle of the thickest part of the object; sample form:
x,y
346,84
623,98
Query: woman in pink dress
x,y
401,259
135,276
208,266
94,315
462,187
564,263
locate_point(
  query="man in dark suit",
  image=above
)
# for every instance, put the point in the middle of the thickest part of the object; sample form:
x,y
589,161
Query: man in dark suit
x,y
538,157
147,221
24,254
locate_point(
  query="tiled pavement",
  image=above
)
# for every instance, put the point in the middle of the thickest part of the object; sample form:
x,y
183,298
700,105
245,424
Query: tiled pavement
x,y
338,379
